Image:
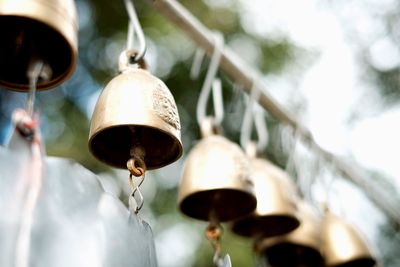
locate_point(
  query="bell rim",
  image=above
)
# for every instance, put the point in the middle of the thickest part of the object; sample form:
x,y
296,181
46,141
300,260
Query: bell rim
x,y
123,166
361,250
186,207
365,261
265,244
73,53
314,252
260,223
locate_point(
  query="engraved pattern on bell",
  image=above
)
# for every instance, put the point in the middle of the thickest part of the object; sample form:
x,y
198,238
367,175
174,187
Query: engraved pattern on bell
x,y
125,116
165,107
242,169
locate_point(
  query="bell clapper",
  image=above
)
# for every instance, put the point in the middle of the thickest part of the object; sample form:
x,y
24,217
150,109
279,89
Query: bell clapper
x,y
137,167
213,233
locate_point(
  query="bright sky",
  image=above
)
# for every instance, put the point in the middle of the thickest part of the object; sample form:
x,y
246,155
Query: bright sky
x,y
331,85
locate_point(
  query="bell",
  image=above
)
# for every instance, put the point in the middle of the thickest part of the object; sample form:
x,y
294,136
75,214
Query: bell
x,y
298,248
37,30
135,110
342,245
276,210
215,183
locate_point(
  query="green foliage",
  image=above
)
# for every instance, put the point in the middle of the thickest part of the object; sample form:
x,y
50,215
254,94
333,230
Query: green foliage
x,y
72,141
389,82
276,55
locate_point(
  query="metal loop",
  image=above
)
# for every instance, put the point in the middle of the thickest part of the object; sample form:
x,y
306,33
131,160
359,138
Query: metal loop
x,y
135,28
124,62
25,124
254,113
136,166
208,82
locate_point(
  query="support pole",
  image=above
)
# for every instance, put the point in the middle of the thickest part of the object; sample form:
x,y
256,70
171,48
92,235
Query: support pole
x,y
248,78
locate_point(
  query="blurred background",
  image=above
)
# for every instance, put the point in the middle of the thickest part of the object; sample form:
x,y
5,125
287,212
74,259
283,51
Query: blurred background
x,y
335,64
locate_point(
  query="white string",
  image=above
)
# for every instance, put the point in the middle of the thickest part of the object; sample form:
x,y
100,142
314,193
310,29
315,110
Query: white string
x,y
210,77
33,75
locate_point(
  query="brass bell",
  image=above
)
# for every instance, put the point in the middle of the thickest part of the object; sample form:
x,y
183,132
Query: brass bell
x,y
215,183
37,30
298,248
135,110
342,245
276,210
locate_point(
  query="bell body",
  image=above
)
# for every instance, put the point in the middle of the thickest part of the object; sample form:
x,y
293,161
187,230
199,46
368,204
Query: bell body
x,y
276,196
342,245
298,248
215,182
44,30
135,109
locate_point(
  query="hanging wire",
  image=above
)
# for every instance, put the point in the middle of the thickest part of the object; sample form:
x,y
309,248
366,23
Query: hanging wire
x,y
208,85
135,28
254,114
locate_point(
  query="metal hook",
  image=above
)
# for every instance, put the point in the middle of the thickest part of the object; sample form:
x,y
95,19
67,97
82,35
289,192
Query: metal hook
x,y
137,167
218,101
196,65
136,199
253,113
135,28
209,81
